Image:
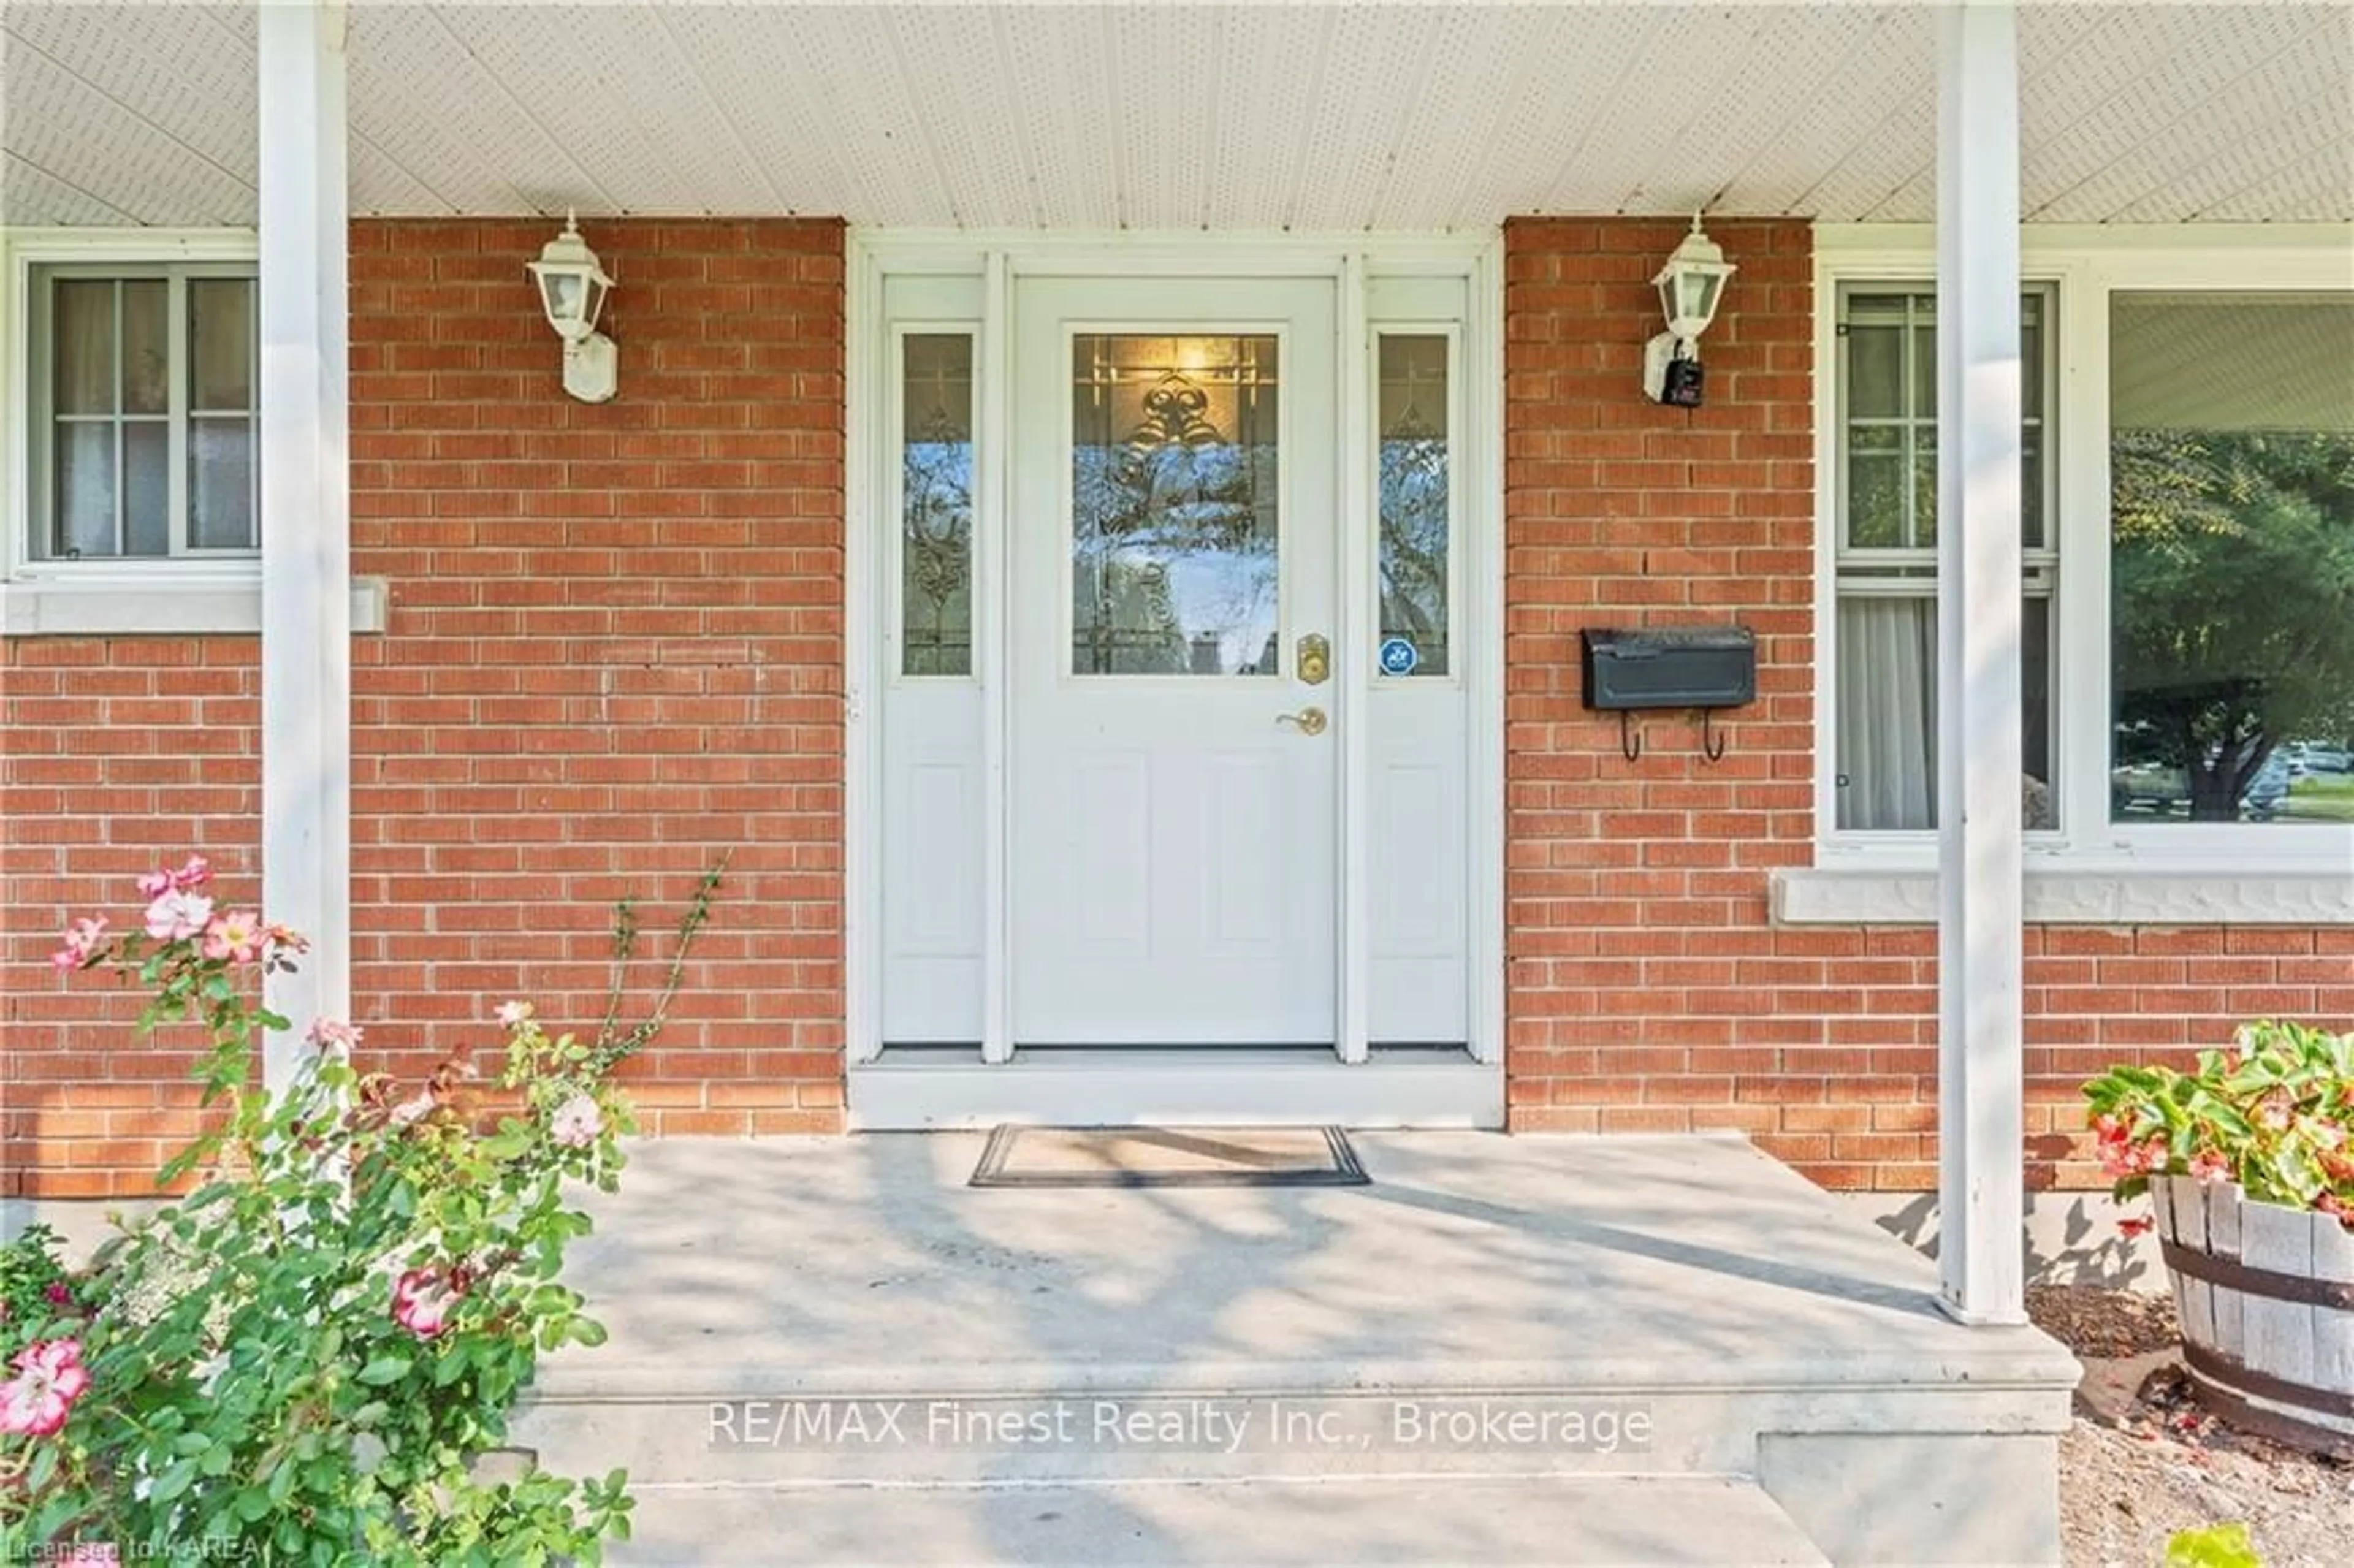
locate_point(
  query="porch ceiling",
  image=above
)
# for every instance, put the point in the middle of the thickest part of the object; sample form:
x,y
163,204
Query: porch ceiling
x,y
1178,116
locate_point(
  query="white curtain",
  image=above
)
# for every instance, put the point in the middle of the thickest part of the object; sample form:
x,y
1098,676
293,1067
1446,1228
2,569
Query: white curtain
x,y
1887,712
81,347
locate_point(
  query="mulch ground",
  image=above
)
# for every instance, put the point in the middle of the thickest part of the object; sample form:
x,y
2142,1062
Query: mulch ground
x,y
2142,1459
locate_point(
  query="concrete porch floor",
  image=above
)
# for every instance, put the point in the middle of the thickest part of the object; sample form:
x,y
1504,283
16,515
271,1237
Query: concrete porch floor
x,y
1767,1336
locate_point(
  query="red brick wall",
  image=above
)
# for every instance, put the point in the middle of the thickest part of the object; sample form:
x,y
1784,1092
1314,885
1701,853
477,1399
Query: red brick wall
x,y
111,751
1648,988
614,654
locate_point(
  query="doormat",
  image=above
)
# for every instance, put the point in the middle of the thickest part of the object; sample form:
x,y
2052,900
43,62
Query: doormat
x,y
1169,1156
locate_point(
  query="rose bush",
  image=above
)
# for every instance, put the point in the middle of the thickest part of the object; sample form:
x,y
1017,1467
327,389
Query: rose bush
x,y
304,1357
2270,1114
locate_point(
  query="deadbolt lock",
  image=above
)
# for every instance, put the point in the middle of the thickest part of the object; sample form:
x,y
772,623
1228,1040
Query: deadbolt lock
x,y
1315,659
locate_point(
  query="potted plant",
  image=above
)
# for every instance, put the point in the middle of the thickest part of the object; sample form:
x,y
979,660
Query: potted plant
x,y
2249,1165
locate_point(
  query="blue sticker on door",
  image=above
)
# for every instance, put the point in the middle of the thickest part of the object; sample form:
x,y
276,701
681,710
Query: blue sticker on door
x,y
1399,656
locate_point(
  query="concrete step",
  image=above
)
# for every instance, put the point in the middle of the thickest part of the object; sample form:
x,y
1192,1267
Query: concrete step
x,y
1558,1521
1490,1314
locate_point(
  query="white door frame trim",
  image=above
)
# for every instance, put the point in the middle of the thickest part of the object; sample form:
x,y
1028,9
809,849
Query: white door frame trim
x,y
998,259
1353,685
993,614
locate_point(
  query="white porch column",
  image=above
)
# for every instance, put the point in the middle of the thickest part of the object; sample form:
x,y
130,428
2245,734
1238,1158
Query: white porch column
x,y
1979,1179
305,511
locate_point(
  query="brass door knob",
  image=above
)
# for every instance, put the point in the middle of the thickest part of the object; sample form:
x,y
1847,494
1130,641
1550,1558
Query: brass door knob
x,y
1311,721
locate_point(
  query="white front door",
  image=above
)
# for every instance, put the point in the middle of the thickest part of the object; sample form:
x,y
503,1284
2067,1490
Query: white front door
x,y
1175,787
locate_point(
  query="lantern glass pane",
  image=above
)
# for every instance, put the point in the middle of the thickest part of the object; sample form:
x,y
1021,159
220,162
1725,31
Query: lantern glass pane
x,y
595,302
562,292
1700,295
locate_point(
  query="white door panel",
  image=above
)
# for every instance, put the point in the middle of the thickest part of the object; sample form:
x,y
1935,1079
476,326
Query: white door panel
x,y
1173,839
930,785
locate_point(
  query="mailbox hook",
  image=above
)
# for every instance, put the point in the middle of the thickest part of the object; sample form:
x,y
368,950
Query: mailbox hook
x,y
1712,740
1629,741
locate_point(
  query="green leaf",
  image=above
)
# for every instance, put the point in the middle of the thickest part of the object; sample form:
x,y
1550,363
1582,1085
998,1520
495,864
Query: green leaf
x,y
384,1370
175,1479
590,1332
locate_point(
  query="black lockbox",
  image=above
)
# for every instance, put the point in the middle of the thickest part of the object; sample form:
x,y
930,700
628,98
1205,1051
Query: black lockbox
x,y
1670,667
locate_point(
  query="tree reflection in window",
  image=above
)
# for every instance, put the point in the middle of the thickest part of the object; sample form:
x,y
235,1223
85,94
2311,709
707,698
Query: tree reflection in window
x,y
2232,555
936,505
1415,495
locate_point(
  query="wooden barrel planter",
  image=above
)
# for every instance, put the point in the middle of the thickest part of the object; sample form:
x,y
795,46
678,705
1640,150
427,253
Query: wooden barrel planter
x,y
2265,1295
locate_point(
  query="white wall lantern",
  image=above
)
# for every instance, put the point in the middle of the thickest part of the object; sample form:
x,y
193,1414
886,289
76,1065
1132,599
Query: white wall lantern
x,y
1691,287
572,290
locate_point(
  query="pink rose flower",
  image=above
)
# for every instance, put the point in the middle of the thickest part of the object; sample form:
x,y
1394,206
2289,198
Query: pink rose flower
x,y
511,1014
194,874
577,1122
49,1378
421,1299
333,1033
177,916
236,936
59,1295
2211,1166
81,940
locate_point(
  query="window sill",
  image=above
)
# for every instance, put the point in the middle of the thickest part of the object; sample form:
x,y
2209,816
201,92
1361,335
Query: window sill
x,y
124,606
2070,896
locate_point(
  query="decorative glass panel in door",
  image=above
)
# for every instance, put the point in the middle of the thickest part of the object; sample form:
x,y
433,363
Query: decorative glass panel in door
x,y
1174,546
1414,501
935,504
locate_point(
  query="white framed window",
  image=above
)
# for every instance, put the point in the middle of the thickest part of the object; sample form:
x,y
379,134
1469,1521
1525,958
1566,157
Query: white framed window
x,y
142,384
129,470
1884,753
2188,513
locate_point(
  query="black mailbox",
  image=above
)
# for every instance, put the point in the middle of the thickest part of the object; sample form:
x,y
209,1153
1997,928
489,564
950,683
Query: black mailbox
x,y
1671,667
